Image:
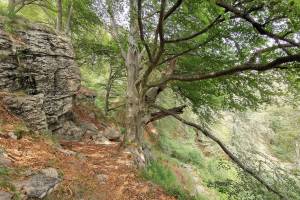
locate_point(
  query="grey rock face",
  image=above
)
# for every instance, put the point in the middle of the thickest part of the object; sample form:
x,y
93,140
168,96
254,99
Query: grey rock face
x,y
70,131
39,185
37,68
29,108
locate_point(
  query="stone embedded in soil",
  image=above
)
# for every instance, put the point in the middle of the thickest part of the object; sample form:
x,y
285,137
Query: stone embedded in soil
x,y
66,152
4,160
12,135
87,126
112,134
40,184
70,131
102,178
100,139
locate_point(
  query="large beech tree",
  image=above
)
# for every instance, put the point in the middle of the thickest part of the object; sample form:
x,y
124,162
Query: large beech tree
x,y
222,54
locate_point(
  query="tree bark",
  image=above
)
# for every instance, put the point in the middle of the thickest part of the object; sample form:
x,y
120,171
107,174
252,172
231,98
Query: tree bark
x,y
59,15
135,105
69,19
11,7
161,114
108,89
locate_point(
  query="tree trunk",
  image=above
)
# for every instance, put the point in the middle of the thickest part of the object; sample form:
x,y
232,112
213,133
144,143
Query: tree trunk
x,y
135,105
11,7
59,15
69,19
108,89
137,109
133,102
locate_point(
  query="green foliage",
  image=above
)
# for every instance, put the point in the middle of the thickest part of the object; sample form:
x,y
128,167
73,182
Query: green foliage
x,y
163,176
246,188
184,153
176,145
5,182
286,123
21,130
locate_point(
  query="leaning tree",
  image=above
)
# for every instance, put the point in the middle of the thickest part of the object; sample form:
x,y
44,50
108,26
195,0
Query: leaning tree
x,y
218,54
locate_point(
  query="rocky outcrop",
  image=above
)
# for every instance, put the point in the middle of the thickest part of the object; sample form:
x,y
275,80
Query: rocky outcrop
x,y
29,108
40,83
38,74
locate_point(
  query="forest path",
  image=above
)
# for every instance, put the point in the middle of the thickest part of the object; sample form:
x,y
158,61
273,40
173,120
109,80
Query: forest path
x,y
115,172
89,171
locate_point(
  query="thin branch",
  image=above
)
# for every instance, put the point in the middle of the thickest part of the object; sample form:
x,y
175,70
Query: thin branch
x,y
115,32
69,18
234,158
207,28
119,106
275,64
161,114
150,15
185,51
142,36
261,51
173,9
259,27
160,32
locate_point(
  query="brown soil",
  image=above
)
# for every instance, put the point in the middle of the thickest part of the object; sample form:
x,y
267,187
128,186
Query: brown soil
x,y
80,171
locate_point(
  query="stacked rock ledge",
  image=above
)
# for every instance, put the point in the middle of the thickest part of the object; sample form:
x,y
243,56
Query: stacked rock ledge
x,y
38,74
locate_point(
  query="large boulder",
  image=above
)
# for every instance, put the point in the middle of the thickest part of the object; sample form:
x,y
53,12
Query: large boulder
x,y
39,73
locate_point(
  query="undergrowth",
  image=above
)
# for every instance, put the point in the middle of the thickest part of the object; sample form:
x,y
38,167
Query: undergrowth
x,y
164,177
5,182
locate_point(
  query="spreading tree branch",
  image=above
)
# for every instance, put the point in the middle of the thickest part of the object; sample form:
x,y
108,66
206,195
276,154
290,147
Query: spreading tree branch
x,y
225,149
259,27
275,64
161,114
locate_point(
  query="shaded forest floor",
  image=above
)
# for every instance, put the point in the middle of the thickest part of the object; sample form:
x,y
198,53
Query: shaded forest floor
x,y
87,170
